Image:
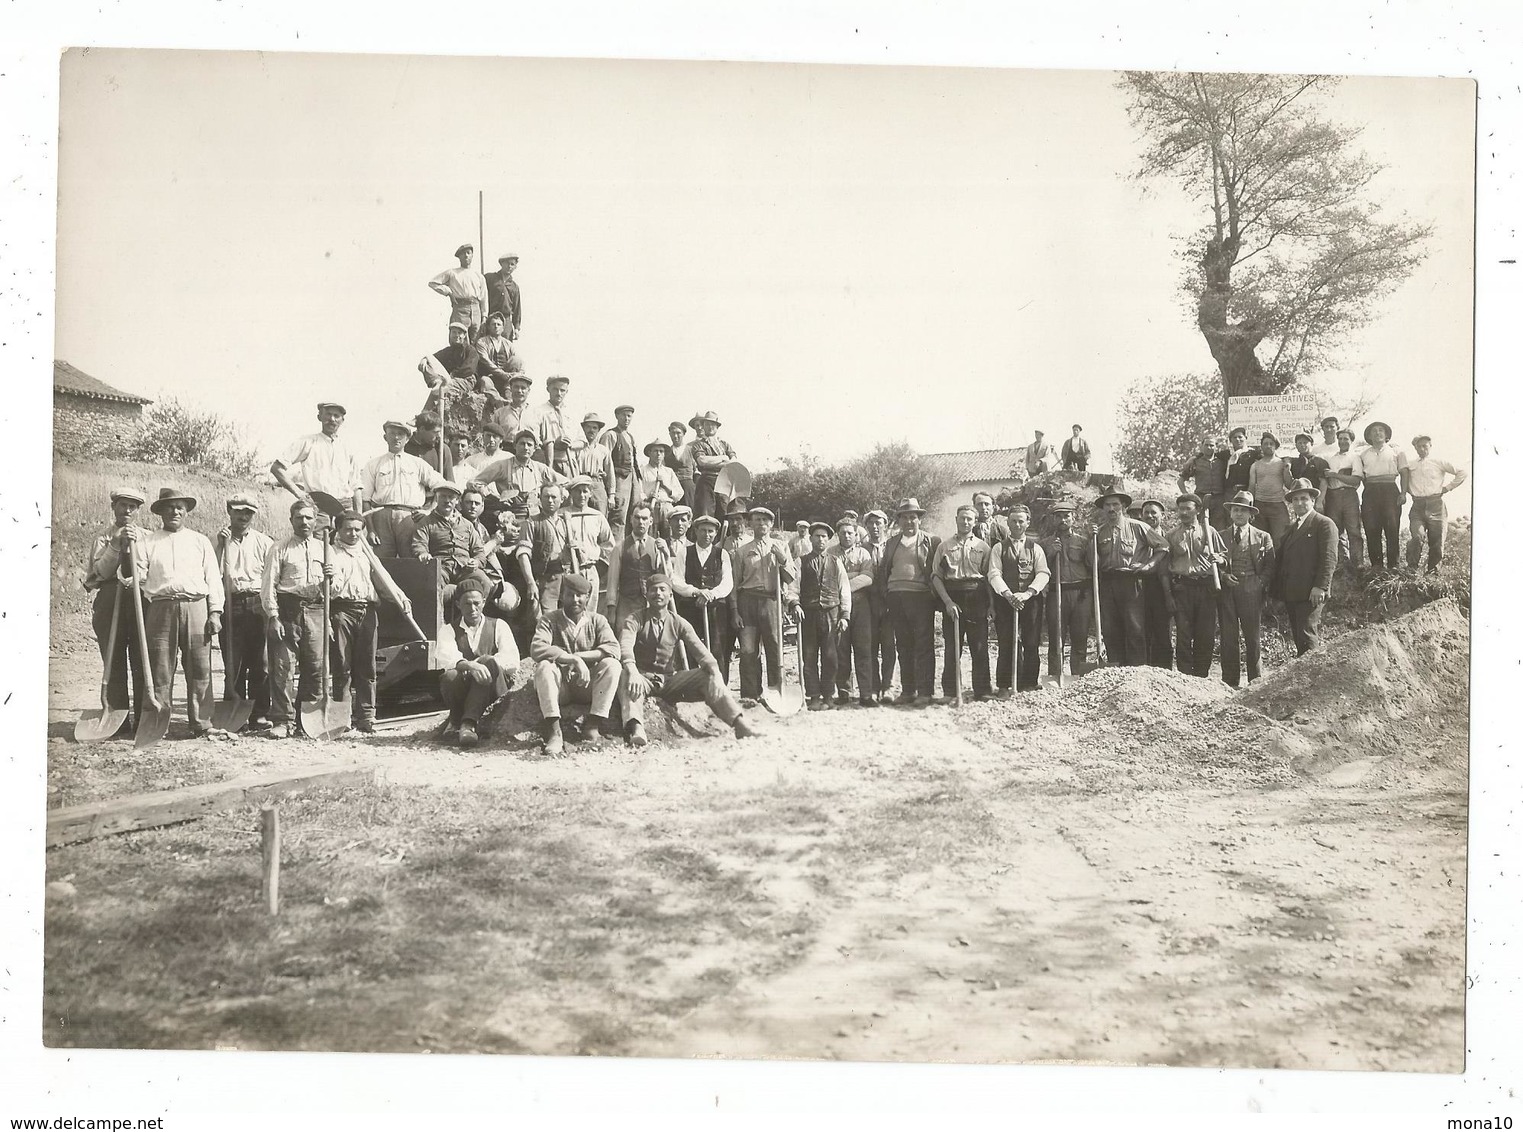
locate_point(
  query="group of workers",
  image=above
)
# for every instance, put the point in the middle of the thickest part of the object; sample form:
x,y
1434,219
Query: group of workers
x,y
626,571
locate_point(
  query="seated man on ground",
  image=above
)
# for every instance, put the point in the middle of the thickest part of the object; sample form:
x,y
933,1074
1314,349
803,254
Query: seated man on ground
x,y
651,645
577,662
476,654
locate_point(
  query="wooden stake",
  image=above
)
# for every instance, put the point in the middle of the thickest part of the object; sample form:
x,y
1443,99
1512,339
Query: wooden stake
x,y
269,846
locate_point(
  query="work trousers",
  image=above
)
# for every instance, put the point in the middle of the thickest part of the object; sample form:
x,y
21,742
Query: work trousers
x,y
554,690
1157,622
303,635
1195,618
1305,622
125,655
1240,608
972,623
468,695
855,649
885,648
393,528
689,490
818,645
176,632
1427,519
913,616
1381,513
1341,505
1077,611
1020,654
1274,517
244,671
1121,618
759,635
1214,505
707,501
688,686
712,624
618,506
352,659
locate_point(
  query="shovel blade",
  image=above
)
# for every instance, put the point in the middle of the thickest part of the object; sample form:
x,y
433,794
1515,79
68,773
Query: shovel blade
x,y
152,725
231,715
733,481
787,700
98,726
325,721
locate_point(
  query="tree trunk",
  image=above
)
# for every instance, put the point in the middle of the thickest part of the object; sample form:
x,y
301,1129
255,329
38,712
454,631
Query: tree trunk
x,y
1233,345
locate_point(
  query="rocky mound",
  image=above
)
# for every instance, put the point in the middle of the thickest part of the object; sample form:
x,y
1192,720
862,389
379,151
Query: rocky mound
x,y
1389,703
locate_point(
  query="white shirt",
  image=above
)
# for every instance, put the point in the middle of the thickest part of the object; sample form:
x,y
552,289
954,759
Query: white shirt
x,y
243,558
319,462
551,423
399,477
464,283
173,564
1426,476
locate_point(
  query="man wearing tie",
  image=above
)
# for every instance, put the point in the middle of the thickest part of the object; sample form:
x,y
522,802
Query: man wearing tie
x,y
1306,558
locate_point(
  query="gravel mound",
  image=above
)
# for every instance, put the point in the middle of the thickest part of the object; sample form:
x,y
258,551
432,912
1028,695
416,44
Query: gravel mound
x,y
1395,696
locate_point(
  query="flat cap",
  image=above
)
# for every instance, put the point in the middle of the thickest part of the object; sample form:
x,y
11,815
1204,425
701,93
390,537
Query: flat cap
x,y
128,493
242,501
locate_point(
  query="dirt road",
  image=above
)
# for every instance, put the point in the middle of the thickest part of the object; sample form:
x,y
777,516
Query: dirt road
x,y
1111,873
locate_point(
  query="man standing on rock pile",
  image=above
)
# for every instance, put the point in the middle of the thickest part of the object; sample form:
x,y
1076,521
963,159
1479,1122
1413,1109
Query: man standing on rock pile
x,y
1126,550
1195,555
1246,577
1428,517
1071,587
1306,558
1019,576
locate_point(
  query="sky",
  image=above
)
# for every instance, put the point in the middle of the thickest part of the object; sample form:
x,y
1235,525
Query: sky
x,y
827,256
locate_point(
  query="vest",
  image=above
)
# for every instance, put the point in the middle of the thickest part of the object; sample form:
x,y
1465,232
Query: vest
x,y
704,575
488,639
813,571
1018,562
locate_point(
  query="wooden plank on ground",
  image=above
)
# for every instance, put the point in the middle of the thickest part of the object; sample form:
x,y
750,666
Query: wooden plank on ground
x,y
70,824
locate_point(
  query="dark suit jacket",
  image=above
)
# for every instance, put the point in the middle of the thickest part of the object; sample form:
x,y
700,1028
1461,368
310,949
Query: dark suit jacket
x,y
1307,557
926,548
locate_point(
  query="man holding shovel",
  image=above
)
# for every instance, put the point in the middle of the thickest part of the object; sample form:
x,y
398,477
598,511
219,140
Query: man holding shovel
x,y
178,577
356,582
321,463
291,594
241,552
119,651
1018,573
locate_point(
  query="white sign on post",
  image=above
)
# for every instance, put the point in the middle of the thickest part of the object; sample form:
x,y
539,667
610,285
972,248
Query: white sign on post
x,y
1284,415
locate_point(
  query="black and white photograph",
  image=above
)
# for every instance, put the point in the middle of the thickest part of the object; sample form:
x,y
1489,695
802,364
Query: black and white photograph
x,y
759,561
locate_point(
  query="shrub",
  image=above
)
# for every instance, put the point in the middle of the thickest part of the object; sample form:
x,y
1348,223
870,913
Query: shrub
x,y
179,435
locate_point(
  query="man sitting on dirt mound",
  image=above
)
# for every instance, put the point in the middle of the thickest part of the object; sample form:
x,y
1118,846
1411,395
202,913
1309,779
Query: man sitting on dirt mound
x,y
576,662
651,643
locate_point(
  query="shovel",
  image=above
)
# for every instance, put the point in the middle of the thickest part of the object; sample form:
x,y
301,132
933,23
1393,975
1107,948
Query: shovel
x,y
1056,596
1094,574
327,718
733,481
782,700
154,722
234,709
957,657
95,727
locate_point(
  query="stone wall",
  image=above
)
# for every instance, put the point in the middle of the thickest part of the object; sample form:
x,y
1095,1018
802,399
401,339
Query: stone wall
x,y
88,426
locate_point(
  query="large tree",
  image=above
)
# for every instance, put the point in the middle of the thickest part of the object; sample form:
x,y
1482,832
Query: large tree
x,y
1295,254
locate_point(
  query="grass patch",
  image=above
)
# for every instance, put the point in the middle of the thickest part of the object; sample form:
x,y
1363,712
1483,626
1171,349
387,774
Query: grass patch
x,y
490,920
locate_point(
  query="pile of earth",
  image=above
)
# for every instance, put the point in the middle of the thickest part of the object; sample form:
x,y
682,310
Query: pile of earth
x,y
1386,705
1156,729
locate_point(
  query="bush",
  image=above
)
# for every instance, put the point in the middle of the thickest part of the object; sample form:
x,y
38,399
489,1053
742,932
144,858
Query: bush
x,y
177,434
804,488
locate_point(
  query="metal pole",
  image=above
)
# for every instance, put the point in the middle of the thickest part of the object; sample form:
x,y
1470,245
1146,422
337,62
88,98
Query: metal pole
x,y
481,239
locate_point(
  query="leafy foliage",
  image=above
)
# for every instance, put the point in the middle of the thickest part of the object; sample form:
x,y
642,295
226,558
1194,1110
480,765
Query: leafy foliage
x,y
1161,421
1293,256
804,487
176,433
